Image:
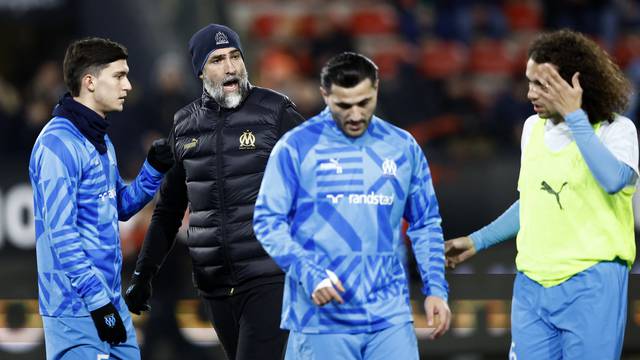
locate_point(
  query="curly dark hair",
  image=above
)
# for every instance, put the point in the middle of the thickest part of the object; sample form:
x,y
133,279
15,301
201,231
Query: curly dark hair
x,y
606,91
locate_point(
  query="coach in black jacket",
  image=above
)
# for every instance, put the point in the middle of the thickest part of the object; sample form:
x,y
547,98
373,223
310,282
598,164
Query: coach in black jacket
x,y
221,145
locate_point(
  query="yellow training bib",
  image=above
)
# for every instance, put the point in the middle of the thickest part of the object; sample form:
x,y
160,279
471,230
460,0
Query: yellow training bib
x,y
567,221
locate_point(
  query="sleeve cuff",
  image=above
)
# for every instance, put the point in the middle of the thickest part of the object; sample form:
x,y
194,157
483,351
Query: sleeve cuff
x,y
478,243
435,290
155,174
97,300
312,277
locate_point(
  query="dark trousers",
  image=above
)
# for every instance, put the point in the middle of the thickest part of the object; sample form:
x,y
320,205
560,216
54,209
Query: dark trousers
x,y
248,323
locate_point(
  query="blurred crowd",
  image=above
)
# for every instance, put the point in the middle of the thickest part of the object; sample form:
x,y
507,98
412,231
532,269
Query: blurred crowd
x,y
452,70
452,73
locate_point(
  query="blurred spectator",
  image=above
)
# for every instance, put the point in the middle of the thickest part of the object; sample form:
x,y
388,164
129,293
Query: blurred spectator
x,y
41,95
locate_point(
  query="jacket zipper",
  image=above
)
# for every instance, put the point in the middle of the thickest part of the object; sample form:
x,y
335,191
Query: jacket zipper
x,y
220,182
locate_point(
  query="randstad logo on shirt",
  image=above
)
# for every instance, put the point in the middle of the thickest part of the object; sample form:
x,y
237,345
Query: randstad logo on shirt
x,y
111,194
367,199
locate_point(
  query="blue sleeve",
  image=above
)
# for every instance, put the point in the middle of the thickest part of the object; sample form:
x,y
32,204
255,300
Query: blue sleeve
x,y
274,207
423,215
505,227
55,181
612,174
132,197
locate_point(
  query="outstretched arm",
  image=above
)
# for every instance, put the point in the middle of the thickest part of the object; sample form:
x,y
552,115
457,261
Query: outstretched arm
x,y
505,227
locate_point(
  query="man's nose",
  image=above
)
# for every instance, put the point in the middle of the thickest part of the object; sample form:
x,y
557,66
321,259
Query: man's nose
x,y
356,113
229,67
127,85
532,94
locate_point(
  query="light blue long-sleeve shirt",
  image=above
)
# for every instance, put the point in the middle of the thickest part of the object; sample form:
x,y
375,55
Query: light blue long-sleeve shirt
x,y
330,202
78,198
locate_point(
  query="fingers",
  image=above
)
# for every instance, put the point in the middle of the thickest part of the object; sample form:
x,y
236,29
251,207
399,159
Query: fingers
x,y
324,295
436,308
429,310
338,285
444,317
464,256
458,250
448,245
575,81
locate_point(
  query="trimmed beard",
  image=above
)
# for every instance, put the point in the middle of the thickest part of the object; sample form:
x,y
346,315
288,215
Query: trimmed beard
x,y
227,100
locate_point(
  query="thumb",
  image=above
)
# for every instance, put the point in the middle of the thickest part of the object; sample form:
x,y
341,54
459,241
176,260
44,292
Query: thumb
x,y
429,313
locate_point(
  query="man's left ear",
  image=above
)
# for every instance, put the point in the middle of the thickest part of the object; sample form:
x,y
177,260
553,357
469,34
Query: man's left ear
x,y
325,95
90,82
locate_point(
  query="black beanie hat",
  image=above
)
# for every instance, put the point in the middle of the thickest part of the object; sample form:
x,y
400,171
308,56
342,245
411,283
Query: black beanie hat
x,y
208,39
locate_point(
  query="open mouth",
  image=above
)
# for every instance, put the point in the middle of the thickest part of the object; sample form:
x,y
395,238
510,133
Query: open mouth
x,y
231,85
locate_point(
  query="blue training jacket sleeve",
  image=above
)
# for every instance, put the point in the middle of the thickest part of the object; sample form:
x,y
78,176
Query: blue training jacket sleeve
x,y
271,218
132,197
56,181
424,230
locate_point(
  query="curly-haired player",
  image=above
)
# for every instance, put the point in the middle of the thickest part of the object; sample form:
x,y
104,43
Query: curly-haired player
x,y
574,219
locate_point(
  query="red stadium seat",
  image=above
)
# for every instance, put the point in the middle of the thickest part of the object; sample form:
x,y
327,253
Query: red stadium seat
x,y
264,25
441,59
626,50
488,56
523,15
373,21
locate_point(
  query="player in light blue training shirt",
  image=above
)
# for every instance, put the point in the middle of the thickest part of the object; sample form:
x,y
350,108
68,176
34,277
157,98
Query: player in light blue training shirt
x,y
78,199
329,212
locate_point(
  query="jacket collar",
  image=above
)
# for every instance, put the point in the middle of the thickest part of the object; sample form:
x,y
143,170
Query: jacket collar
x,y
90,123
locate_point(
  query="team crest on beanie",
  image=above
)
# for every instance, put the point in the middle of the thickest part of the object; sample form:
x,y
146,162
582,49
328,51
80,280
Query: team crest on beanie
x,y
221,38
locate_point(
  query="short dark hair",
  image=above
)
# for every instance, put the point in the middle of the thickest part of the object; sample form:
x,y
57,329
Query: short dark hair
x,y
348,69
89,55
606,91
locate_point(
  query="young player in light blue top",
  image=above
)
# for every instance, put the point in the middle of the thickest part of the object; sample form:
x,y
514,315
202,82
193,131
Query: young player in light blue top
x,y
329,213
79,197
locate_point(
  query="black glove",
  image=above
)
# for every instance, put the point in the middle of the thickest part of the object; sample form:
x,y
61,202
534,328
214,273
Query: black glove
x,y
109,324
138,293
160,155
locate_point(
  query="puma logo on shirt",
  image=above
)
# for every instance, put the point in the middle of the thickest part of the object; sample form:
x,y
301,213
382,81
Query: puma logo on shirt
x,y
546,187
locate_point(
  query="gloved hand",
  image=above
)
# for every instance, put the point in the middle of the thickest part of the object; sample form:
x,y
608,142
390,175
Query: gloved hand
x,y
138,293
109,324
160,155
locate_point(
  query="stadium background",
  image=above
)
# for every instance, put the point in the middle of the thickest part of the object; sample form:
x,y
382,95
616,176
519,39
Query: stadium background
x,y
452,74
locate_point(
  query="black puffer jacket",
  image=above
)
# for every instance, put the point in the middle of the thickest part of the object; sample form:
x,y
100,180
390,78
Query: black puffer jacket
x,y
220,156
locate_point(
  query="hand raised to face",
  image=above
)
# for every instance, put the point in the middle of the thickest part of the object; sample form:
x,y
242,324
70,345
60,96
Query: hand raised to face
x,y
556,94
